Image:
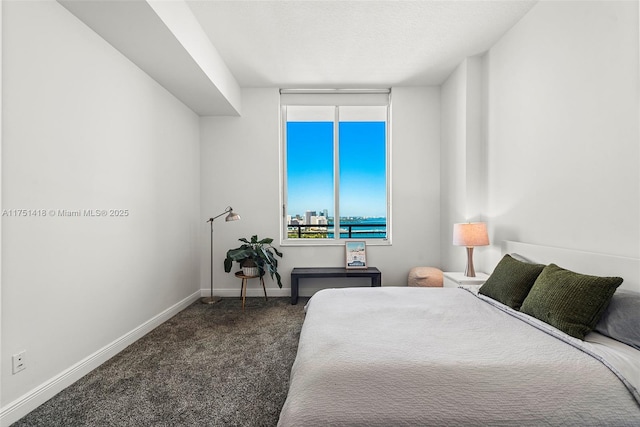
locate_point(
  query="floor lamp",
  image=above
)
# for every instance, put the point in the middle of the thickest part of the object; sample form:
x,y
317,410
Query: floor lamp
x,y
230,217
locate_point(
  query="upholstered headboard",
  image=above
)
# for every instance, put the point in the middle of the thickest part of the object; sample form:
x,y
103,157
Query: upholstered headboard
x,y
581,262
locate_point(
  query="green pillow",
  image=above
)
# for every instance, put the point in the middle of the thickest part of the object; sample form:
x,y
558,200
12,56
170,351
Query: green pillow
x,y
511,281
569,301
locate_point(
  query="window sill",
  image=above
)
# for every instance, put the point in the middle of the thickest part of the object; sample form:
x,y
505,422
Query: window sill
x,y
318,242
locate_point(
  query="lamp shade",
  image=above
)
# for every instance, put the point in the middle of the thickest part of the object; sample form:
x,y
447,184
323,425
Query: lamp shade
x,y
232,216
470,234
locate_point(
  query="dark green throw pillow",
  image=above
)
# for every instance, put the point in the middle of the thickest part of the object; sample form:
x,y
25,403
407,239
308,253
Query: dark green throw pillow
x,y
569,301
511,281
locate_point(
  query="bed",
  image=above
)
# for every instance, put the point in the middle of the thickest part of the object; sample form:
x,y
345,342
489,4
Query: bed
x,y
395,356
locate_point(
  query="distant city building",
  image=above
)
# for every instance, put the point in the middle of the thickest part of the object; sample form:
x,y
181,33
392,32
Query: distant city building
x,y
308,215
318,220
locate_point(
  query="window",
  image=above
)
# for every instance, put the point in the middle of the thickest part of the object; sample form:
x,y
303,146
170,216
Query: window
x,y
336,168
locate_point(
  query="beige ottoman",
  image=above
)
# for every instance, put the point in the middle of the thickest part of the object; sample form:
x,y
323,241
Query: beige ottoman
x,y
425,276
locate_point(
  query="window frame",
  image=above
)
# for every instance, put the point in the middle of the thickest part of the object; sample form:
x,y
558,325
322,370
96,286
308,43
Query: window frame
x,y
336,240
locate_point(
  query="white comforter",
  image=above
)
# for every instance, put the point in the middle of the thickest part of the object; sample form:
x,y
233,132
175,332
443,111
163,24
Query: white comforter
x,y
424,356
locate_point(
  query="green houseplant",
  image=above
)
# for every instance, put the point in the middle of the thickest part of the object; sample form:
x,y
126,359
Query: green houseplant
x,y
255,253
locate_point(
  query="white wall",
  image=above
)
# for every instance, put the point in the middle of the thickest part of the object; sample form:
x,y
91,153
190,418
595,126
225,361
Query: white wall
x,y
416,185
83,128
240,167
563,141
463,156
559,137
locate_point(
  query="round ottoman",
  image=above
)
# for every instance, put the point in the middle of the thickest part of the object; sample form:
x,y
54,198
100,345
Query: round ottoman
x,y
425,276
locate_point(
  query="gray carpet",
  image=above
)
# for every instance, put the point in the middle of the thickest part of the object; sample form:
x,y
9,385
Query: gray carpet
x,y
210,365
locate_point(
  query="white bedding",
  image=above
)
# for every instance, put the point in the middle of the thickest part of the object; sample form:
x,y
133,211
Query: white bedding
x,y
621,359
427,356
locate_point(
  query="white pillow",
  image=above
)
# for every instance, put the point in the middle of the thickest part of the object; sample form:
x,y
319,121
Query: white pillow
x,y
621,319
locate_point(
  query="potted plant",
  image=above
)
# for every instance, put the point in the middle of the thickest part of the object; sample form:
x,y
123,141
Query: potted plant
x,y
257,254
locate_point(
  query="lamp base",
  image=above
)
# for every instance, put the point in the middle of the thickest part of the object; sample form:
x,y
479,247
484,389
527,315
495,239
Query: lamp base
x,y
210,300
469,271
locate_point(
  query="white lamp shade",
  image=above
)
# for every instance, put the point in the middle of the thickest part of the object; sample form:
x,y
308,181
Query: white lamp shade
x,y
470,234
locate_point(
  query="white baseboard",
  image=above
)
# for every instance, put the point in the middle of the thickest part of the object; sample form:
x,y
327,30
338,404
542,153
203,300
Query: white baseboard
x,y
20,407
251,292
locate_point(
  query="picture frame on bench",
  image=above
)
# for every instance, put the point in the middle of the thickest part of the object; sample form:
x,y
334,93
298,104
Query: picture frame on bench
x,y
355,254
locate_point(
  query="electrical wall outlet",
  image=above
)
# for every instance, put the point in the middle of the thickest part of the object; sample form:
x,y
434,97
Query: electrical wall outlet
x,y
18,362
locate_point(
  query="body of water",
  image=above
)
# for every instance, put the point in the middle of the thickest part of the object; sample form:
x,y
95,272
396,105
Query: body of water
x,y
363,228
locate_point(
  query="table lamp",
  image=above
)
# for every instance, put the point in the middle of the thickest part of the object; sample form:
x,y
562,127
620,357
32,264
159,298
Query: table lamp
x,y
470,234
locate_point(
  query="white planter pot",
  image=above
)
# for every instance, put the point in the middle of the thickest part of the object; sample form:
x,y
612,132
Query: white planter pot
x,y
250,271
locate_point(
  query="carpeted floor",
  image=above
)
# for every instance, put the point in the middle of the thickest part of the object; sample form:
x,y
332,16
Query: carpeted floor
x,y
210,365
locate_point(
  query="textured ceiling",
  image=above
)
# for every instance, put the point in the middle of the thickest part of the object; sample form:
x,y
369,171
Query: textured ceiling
x,y
352,43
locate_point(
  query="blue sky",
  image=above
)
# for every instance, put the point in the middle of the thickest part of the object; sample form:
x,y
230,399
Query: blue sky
x,y
362,168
